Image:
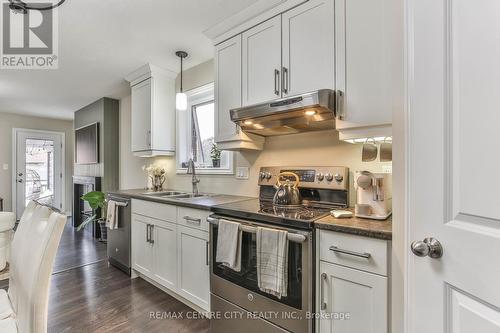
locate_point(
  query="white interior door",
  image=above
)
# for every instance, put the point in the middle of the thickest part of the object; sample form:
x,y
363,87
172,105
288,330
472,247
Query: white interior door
x,y
38,169
453,159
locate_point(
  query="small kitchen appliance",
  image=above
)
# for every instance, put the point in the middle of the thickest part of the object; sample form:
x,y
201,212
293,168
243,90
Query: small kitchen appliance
x,y
321,189
373,195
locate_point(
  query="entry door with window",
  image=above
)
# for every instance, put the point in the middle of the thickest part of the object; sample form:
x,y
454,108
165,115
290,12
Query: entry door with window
x,y
38,172
453,160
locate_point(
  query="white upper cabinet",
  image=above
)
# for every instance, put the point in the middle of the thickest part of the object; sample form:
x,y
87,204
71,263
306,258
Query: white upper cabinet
x,y
153,111
228,96
368,64
308,48
262,62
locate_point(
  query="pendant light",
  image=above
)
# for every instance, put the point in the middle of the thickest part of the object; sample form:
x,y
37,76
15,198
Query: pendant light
x,y
181,97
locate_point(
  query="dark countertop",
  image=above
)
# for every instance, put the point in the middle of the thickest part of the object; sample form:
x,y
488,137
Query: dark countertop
x,y
199,203
357,226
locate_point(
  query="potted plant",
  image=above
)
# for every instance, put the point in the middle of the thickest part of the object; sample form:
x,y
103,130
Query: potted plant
x,y
215,153
96,200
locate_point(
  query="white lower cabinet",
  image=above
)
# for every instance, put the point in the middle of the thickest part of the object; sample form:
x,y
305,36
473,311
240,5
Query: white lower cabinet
x,y
142,254
192,265
352,283
354,301
171,253
165,254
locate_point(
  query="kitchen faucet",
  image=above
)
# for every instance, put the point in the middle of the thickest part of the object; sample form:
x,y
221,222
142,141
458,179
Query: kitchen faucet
x,y
191,170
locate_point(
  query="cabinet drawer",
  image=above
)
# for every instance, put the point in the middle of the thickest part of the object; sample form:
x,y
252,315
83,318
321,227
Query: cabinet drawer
x,y
367,254
193,218
156,210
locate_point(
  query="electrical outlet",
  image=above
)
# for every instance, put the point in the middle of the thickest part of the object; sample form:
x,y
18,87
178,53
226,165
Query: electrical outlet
x,y
242,173
387,168
6,166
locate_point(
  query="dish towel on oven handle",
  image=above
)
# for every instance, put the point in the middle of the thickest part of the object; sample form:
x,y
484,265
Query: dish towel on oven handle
x,y
272,261
229,244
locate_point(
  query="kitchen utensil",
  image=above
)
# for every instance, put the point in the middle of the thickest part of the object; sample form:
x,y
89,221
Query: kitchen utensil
x,y
386,151
370,150
287,193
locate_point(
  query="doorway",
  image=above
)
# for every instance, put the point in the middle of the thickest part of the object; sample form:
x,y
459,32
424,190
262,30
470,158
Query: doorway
x,y
38,172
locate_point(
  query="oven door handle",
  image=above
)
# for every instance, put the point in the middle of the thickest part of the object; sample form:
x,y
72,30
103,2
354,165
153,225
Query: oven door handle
x,y
296,238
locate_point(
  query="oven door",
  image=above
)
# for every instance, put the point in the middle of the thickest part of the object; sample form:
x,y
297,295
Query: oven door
x,y
241,288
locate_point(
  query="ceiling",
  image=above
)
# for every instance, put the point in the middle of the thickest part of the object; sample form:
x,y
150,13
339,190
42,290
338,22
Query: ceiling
x,y
101,41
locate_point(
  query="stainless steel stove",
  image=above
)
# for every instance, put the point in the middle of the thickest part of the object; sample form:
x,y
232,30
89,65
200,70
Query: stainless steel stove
x,y
321,189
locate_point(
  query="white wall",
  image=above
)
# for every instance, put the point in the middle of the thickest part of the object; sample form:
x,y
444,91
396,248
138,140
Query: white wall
x,y
9,121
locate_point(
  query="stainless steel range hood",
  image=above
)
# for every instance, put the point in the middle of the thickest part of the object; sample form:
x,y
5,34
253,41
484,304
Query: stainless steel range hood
x,y
314,111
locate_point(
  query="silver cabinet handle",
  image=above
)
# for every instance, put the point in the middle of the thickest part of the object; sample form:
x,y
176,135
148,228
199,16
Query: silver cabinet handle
x,y
192,220
147,232
276,82
148,138
339,112
284,82
207,250
351,253
151,240
324,279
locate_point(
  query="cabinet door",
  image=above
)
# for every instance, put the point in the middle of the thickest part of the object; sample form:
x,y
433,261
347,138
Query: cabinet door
x,y
141,116
308,48
262,62
165,254
367,62
142,250
360,295
194,271
227,86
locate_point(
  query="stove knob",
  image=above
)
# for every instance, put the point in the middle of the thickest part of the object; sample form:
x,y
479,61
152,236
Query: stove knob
x,y
339,178
320,176
268,175
329,177
262,175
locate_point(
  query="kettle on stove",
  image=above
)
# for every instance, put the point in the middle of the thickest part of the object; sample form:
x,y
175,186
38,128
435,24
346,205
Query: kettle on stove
x,y
287,192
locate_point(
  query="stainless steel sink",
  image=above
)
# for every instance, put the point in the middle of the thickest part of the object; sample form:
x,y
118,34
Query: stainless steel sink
x,y
190,196
164,193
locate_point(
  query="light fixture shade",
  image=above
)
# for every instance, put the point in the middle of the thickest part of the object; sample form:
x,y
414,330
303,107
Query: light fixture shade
x,y
181,101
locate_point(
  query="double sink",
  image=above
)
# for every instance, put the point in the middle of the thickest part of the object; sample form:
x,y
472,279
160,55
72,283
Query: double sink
x,y
176,195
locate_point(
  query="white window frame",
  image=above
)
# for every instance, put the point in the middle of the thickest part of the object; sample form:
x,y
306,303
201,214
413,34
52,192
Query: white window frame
x,y
195,97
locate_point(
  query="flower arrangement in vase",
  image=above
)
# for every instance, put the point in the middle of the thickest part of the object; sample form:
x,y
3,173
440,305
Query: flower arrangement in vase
x,y
157,175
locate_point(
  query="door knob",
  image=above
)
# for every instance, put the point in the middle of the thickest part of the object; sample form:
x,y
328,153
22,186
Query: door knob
x,y
428,247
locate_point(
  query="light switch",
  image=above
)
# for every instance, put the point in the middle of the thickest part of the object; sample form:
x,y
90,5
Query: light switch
x,y
242,173
6,166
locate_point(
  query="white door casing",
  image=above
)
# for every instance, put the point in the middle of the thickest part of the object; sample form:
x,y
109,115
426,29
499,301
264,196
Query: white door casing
x,y
453,77
19,176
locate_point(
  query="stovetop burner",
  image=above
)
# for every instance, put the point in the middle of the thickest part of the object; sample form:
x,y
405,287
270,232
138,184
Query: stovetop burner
x,y
297,213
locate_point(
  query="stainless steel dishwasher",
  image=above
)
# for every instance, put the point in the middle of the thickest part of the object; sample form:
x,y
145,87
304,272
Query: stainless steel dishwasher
x,y
119,239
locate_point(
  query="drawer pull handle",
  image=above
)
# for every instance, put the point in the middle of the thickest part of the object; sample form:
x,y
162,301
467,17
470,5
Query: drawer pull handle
x,y
365,255
324,279
192,220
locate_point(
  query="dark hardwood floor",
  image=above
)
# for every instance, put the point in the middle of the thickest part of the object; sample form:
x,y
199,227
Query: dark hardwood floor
x,y
87,295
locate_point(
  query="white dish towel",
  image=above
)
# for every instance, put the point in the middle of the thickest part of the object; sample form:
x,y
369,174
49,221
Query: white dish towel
x,y
229,244
112,215
272,261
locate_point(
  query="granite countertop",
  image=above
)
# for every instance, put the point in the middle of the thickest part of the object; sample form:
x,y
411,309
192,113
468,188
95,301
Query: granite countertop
x,y
357,226
199,203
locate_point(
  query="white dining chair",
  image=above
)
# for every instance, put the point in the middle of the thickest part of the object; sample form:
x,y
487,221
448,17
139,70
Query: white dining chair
x,y
23,309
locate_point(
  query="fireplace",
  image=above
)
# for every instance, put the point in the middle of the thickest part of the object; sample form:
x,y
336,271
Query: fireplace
x,y
81,209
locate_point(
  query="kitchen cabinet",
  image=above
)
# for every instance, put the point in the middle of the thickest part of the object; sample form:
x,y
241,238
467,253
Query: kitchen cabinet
x,y
368,61
308,48
360,295
153,111
352,280
262,62
170,246
193,261
165,253
142,254
228,96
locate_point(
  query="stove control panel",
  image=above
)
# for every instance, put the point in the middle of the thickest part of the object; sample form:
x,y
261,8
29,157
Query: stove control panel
x,y
330,177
